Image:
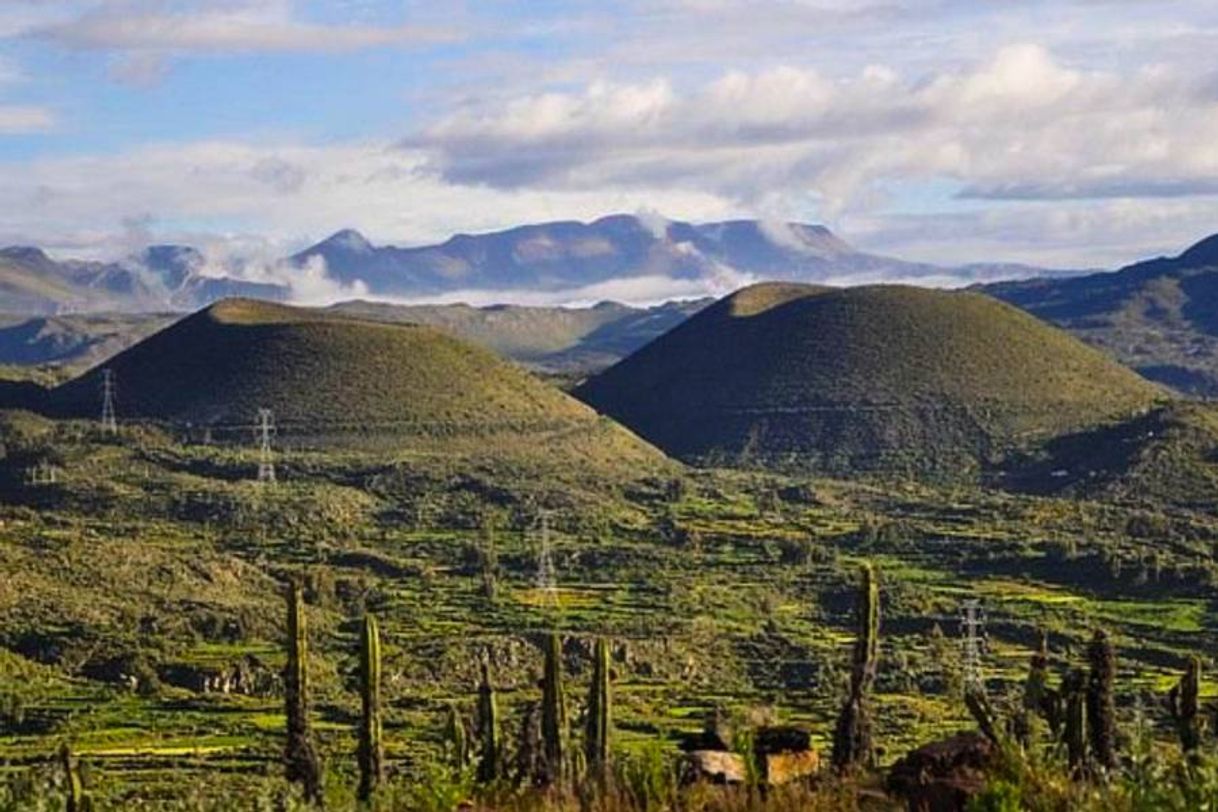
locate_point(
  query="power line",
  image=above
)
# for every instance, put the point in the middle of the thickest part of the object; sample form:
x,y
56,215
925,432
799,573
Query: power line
x,y
265,428
109,421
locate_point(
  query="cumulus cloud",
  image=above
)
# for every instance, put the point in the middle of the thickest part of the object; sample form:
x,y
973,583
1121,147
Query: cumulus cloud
x,y
1010,126
291,195
224,27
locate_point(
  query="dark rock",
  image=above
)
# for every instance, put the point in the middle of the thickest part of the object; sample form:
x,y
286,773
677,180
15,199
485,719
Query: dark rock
x,y
942,776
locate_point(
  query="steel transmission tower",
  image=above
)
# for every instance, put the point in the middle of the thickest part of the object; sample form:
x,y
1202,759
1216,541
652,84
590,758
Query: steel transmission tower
x,y
109,422
265,429
547,577
972,627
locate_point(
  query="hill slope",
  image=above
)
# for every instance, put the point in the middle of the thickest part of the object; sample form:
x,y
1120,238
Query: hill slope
x,y
330,379
873,377
554,339
1159,317
568,340
1168,456
159,278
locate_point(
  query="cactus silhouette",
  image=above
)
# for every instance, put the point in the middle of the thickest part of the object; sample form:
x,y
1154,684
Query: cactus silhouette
x,y
490,754
1101,702
454,733
553,713
597,732
1182,701
1074,691
852,736
371,748
76,800
301,761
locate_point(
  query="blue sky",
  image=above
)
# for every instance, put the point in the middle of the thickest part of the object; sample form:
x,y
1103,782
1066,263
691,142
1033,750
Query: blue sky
x,y
1071,133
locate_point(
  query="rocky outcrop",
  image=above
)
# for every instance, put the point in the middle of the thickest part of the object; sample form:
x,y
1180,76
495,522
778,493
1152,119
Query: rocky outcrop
x,y
942,776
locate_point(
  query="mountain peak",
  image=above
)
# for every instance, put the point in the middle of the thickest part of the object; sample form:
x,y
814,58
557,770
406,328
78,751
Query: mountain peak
x,y
348,239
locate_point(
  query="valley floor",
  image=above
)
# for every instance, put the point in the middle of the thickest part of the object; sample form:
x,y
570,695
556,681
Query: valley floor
x,y
142,605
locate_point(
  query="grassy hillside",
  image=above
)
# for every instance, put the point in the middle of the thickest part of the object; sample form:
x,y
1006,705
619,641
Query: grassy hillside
x,y
876,377
1155,316
73,342
334,380
1168,456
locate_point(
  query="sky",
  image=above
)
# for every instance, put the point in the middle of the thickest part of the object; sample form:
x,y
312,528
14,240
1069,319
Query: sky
x,y
1059,133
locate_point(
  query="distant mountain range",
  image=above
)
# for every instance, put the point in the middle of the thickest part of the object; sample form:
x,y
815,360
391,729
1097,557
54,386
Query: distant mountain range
x,y
1159,317
620,257
160,278
580,257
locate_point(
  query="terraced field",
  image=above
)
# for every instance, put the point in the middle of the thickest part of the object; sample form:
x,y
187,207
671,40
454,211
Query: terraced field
x,y
143,621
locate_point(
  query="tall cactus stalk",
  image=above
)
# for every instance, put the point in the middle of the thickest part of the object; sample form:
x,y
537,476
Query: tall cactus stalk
x,y
1182,701
490,751
458,743
1101,701
301,761
1037,696
852,736
371,747
1074,689
597,733
553,713
76,799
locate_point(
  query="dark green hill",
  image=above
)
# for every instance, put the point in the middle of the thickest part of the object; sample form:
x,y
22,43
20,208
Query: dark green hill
x,y
884,377
333,379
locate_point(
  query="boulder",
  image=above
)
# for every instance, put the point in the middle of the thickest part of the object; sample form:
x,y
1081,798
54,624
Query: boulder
x,y
942,776
714,766
783,768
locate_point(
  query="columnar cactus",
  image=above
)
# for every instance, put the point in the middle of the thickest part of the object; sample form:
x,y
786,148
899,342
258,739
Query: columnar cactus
x,y
529,769
1074,690
852,736
458,744
76,800
1183,704
490,751
1037,696
1101,702
371,748
553,713
300,757
596,736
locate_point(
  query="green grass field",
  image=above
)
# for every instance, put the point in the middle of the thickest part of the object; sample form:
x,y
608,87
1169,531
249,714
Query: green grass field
x,y
148,577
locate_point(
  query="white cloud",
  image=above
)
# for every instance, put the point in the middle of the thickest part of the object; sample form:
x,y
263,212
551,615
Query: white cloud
x,y
219,27
1020,124
289,195
16,119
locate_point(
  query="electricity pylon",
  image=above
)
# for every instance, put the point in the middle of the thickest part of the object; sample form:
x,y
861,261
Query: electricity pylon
x,y
547,577
109,422
972,627
265,429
